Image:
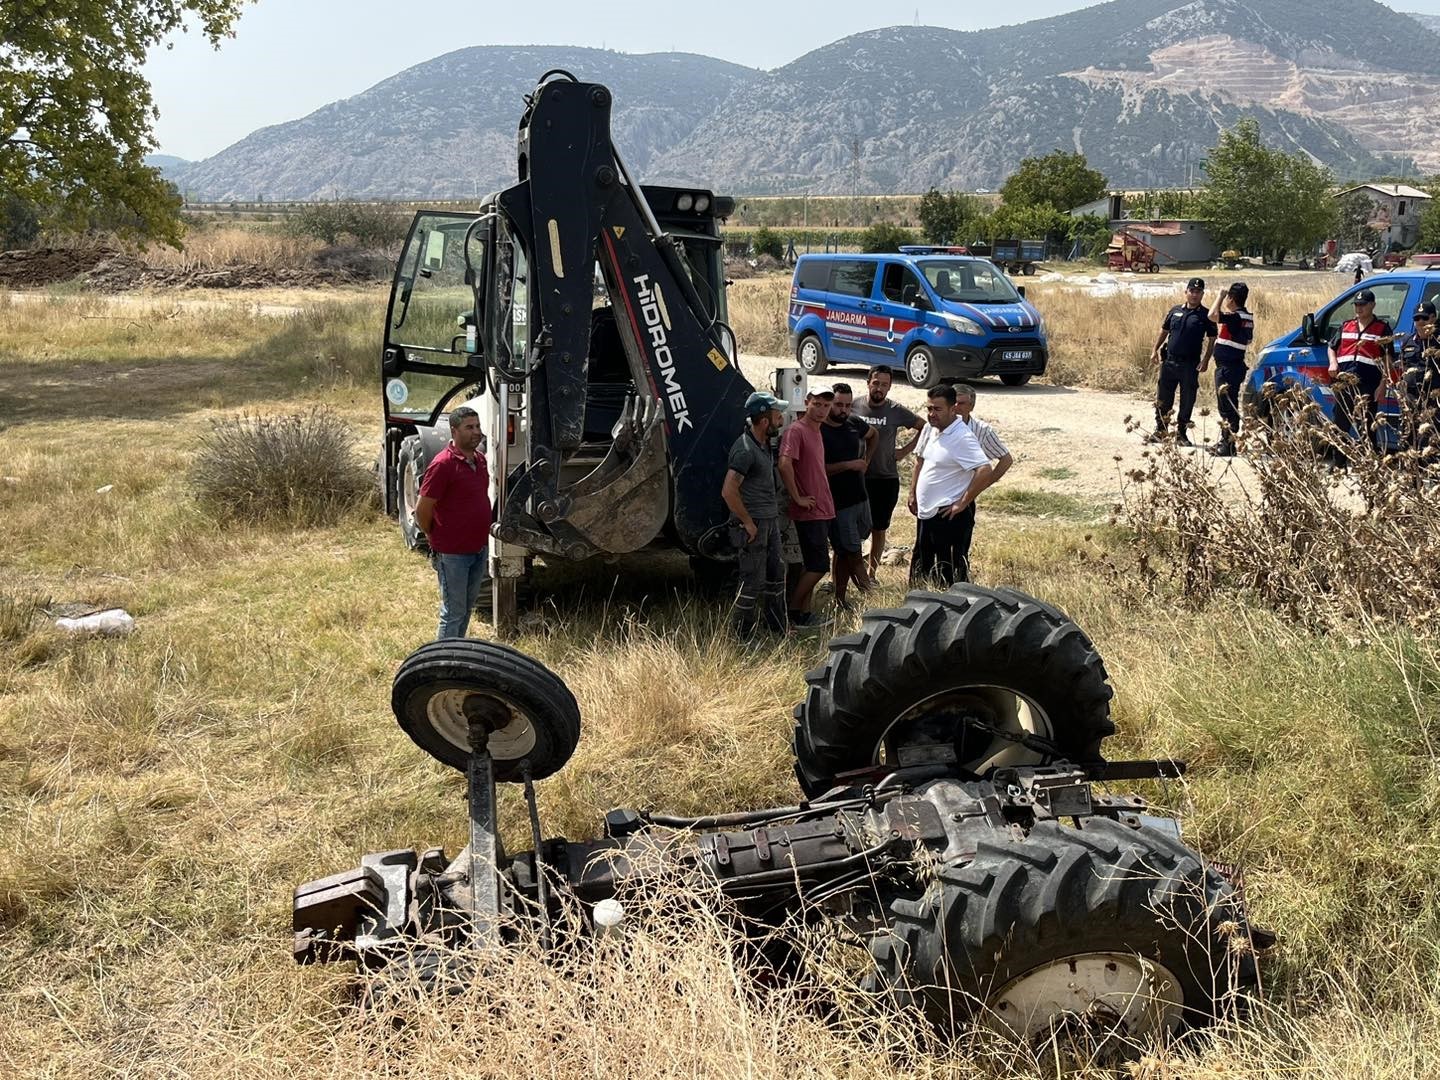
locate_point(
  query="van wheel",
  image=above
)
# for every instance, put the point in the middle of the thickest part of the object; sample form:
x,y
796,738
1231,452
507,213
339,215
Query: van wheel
x,y
921,369
811,356
1014,380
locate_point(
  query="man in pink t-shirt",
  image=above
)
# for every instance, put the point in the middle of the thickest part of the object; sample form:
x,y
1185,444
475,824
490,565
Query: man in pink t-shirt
x,y
802,468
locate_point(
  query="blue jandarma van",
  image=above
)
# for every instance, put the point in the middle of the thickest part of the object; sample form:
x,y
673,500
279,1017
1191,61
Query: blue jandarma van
x,y
939,317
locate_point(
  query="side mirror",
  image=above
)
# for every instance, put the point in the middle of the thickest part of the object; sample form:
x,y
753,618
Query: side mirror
x,y
1307,330
1021,290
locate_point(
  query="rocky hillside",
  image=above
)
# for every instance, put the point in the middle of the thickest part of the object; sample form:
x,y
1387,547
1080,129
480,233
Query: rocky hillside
x,y
1142,87
446,128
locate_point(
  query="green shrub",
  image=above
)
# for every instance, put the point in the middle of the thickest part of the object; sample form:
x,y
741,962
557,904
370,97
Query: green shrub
x,y
297,469
768,242
883,236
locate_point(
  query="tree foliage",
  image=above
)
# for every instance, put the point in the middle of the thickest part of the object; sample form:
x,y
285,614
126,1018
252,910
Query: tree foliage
x,y
1259,199
1430,218
369,226
883,236
767,241
76,113
947,217
1059,180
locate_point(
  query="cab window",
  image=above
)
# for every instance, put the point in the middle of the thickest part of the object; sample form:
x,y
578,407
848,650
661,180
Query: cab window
x,y
433,299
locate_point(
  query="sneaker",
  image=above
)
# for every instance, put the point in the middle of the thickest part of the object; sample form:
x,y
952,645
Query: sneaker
x,y
1183,440
1221,449
1157,436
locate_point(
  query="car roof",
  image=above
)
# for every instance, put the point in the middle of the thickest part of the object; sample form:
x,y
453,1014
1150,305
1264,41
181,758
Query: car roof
x,y
898,255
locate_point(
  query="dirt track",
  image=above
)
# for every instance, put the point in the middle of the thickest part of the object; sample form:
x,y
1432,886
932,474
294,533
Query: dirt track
x,y
1064,439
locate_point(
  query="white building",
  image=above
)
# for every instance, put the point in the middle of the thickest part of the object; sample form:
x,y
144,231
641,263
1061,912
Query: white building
x,y
1397,212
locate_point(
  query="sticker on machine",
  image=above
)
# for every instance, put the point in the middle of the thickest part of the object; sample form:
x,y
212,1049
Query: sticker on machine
x,y
396,392
718,359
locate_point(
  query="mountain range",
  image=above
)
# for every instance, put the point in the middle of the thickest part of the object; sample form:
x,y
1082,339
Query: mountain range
x,y
1141,87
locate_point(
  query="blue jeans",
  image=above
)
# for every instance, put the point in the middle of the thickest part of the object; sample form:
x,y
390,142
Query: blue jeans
x,y
460,579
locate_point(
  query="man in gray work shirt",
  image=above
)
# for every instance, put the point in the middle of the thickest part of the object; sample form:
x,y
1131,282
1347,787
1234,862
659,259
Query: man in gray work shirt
x,y
882,477
752,492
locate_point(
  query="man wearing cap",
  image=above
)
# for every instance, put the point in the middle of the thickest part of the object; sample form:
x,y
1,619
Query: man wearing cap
x,y
802,468
882,477
753,496
1365,349
1187,337
1236,330
849,442
1420,361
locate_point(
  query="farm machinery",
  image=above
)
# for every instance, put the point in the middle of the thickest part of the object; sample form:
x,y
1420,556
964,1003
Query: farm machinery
x,y
1126,251
956,815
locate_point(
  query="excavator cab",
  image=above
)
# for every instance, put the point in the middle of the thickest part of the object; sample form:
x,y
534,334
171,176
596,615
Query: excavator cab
x,y
584,318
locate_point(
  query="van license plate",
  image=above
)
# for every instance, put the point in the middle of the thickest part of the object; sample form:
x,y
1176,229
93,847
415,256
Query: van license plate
x,y
1016,354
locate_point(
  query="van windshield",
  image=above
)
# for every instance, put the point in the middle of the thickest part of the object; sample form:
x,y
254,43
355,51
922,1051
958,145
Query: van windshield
x,y
968,281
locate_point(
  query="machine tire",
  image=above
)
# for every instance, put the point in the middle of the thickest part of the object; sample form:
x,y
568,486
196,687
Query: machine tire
x,y
1015,380
409,471
910,663
1108,891
921,369
810,355
545,724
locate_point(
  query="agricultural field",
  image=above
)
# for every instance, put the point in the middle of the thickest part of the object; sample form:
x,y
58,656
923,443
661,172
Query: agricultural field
x,y
161,794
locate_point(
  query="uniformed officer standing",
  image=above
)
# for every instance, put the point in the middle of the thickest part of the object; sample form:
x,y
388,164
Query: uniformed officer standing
x,y
1365,349
1236,331
1187,338
1420,361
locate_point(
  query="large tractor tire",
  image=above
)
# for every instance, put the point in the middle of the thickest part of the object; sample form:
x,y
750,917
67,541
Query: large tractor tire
x,y
1071,940
440,684
951,669
410,470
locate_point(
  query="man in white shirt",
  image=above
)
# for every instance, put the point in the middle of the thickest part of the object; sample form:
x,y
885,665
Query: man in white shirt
x,y
989,440
951,469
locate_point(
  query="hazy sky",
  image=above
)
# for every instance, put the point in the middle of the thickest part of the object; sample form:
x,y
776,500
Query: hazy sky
x,y
289,57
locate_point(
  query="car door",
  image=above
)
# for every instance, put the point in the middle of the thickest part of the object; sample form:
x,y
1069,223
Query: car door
x,y
849,306
898,289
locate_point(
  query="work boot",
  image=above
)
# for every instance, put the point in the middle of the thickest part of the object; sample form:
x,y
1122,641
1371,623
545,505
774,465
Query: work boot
x,y
1183,440
1156,436
1222,448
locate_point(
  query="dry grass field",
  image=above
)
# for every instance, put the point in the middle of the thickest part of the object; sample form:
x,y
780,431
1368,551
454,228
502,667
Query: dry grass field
x,y
160,795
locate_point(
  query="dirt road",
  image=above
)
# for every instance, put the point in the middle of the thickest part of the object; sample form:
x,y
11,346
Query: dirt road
x,y
1064,439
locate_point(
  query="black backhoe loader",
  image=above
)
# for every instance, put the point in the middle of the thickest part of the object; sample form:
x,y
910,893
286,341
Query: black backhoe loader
x,y
583,316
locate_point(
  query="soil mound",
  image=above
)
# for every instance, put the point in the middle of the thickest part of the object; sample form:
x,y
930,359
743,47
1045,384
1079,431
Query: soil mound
x,y
110,270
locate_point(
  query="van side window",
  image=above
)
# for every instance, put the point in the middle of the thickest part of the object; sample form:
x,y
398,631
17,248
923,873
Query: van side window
x,y
813,274
852,277
896,280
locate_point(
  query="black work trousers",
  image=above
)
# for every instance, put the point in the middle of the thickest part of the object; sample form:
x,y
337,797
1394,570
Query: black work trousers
x,y
1355,402
942,548
1229,376
1182,375
762,580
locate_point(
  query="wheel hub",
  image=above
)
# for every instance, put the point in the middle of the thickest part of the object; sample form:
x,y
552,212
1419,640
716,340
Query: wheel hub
x,y
511,735
1087,1001
983,724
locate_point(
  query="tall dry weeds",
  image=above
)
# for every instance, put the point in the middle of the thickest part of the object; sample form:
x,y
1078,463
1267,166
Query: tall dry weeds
x,y
1332,531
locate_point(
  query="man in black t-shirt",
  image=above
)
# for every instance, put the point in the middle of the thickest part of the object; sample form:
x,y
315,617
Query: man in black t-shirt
x,y
1186,331
849,442
1420,366
752,492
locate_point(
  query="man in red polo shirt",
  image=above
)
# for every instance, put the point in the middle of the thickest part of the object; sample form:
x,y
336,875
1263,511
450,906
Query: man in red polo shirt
x,y
812,508
454,514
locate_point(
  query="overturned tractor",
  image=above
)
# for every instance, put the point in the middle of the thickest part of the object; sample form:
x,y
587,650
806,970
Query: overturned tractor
x,y
956,814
